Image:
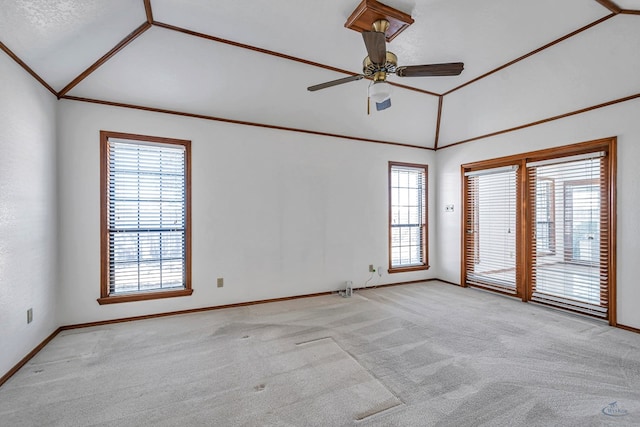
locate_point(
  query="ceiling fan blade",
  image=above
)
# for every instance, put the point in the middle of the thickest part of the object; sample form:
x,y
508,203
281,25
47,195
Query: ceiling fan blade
x,y
335,82
449,69
376,46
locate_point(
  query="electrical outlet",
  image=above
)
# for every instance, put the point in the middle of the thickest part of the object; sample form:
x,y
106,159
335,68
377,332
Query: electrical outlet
x,y
448,208
371,269
380,271
220,282
30,315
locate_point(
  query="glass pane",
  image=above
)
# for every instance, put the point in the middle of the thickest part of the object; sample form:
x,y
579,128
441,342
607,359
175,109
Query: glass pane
x,y
573,272
494,230
146,197
407,213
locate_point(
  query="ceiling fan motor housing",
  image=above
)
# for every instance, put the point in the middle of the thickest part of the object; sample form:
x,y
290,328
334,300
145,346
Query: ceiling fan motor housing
x,y
370,69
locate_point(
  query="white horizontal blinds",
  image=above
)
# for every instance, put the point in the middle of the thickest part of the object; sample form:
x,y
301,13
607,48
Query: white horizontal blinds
x,y
570,194
146,216
408,216
491,228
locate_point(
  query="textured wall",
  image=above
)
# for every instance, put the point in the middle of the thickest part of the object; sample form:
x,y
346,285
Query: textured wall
x,y
27,213
274,213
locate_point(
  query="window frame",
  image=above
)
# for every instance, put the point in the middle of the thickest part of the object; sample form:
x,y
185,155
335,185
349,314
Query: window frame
x,y
424,231
551,221
105,297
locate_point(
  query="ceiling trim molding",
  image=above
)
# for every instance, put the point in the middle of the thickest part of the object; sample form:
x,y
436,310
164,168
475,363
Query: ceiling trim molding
x,y
117,48
438,121
609,4
533,52
148,11
614,8
276,54
237,122
28,69
547,120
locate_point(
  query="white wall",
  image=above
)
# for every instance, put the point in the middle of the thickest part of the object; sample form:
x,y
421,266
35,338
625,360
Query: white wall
x,y
620,120
27,213
275,213
593,67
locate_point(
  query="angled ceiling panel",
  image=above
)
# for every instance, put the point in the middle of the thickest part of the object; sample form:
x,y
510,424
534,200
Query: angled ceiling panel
x,y
170,70
484,35
589,69
488,34
59,39
628,4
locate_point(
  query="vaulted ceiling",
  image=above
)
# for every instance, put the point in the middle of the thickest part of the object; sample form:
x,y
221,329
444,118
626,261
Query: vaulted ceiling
x,y
251,61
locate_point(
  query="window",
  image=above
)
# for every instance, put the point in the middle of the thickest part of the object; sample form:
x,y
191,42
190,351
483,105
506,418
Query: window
x,y
145,217
407,217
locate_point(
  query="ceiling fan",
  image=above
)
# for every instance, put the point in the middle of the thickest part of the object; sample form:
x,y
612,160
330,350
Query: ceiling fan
x,y
381,62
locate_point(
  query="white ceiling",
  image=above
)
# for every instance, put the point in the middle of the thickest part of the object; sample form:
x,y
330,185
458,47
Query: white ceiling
x,y
167,69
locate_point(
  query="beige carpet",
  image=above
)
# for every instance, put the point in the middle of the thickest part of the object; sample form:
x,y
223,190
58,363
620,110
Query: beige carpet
x,y
424,354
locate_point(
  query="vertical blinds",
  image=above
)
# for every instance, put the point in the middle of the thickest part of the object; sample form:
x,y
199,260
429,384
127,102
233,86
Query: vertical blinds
x,y
146,216
569,235
491,228
408,216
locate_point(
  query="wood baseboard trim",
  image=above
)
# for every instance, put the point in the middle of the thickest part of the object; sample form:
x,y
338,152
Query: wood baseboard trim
x,y
220,307
388,285
445,281
189,311
628,328
28,357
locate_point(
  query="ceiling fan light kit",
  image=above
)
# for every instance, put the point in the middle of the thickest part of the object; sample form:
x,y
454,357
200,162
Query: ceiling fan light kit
x,y
380,91
379,24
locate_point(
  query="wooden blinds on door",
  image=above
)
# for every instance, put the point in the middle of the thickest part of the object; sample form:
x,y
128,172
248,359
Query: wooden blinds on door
x,y
542,226
491,224
569,233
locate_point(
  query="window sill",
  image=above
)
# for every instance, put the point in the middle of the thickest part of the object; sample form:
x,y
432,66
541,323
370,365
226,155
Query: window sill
x,y
143,296
406,269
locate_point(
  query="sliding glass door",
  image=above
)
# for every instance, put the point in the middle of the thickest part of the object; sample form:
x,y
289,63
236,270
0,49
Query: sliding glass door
x,y
541,226
491,225
574,276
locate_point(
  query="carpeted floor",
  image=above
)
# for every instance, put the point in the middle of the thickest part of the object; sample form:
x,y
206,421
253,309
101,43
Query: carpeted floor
x,y
416,355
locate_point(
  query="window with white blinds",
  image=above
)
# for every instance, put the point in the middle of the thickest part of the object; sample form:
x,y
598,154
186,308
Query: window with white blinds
x,y
575,276
145,235
407,217
491,228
